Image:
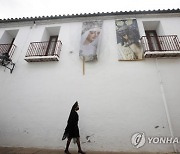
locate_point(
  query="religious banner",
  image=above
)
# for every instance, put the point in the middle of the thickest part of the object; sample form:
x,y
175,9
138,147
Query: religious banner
x,y
128,40
89,40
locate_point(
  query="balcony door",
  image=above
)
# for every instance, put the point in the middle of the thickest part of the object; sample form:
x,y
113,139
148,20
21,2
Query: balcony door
x,y
51,45
153,40
10,45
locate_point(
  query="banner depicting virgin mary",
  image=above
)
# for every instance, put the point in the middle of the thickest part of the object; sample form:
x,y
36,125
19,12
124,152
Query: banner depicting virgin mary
x,y
128,40
89,40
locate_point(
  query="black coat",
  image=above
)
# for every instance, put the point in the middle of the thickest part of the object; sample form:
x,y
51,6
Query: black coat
x,y
72,130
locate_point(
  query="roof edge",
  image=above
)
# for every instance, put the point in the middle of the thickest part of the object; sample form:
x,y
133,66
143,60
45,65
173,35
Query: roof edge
x,y
135,12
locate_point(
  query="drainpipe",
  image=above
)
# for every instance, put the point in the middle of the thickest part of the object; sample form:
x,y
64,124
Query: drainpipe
x,y
165,104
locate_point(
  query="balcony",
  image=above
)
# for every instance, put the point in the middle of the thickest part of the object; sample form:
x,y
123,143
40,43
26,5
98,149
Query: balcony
x,y
161,46
43,51
9,48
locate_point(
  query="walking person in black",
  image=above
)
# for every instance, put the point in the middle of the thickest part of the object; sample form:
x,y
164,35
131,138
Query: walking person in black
x,y
72,130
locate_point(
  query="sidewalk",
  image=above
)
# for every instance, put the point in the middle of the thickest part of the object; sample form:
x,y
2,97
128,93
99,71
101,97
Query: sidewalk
x,y
10,150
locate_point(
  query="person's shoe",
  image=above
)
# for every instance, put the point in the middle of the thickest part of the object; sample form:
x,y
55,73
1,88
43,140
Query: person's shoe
x,y
81,152
66,152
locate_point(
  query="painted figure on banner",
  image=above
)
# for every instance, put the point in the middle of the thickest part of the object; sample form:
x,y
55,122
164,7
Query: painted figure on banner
x,y
128,40
91,31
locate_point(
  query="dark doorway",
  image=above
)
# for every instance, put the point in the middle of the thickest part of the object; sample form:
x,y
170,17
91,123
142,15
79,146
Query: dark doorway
x,y
51,45
11,44
153,40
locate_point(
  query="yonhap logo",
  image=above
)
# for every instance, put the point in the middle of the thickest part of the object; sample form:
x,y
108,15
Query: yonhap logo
x,y
139,139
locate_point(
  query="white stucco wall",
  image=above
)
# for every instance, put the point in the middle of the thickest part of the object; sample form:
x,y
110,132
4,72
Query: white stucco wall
x,y
116,98
6,38
167,26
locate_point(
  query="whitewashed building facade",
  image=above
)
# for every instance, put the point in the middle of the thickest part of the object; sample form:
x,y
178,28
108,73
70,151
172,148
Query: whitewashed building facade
x,y
117,98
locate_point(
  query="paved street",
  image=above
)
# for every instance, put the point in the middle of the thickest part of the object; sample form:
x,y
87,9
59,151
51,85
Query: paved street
x,y
5,150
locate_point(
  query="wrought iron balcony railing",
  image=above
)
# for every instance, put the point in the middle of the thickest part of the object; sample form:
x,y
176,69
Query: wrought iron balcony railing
x,y
162,44
7,48
43,51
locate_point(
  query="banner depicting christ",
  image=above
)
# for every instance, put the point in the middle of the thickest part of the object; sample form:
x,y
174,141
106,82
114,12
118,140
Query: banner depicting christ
x,y
128,40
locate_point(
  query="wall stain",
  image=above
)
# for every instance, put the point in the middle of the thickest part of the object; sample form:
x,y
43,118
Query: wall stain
x,y
88,139
156,127
25,131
